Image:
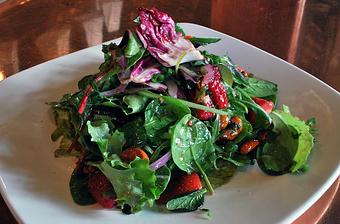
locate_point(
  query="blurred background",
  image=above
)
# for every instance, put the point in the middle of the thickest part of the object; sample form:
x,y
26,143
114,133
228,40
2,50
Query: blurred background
x,y
305,33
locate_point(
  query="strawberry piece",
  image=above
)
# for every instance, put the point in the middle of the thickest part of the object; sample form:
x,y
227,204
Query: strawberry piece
x,y
181,184
251,117
266,105
202,114
99,186
130,154
218,90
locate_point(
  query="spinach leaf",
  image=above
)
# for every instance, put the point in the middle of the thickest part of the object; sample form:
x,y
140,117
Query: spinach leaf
x,y
79,190
192,148
201,41
227,74
240,160
134,133
133,59
163,176
159,116
133,50
260,88
187,203
159,149
222,172
263,120
133,45
191,144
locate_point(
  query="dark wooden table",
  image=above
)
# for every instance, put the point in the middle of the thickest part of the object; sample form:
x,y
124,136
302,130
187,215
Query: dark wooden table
x,y
305,33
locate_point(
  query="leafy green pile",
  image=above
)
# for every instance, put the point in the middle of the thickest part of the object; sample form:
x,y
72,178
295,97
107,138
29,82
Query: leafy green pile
x,y
130,102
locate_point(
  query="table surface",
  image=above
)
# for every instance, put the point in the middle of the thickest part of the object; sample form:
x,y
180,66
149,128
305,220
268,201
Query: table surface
x,y
305,33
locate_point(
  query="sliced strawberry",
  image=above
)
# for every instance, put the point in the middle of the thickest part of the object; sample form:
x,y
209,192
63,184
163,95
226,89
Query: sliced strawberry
x,y
203,115
266,105
130,154
180,185
101,189
218,90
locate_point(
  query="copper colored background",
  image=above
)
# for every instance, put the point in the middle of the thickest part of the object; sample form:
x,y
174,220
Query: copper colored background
x,y
305,33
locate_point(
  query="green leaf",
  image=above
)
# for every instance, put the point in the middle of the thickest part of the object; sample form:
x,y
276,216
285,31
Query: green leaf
x,y
163,175
133,59
182,103
134,133
179,29
187,203
133,45
226,74
305,139
263,120
201,41
133,50
260,88
108,143
226,61
222,173
158,117
137,20
134,103
79,189
156,78
192,148
289,150
64,148
136,185
192,142
86,81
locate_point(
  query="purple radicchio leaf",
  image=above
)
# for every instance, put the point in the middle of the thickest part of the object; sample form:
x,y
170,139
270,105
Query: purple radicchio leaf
x,y
142,73
157,33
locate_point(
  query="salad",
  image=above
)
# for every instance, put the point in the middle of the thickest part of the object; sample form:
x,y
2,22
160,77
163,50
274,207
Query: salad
x,y
164,123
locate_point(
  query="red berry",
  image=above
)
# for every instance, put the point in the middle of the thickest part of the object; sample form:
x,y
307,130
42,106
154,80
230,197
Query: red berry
x,y
218,90
203,115
130,154
100,188
181,184
266,105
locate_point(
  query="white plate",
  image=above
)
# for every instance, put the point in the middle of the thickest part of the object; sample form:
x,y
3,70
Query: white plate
x,y
35,184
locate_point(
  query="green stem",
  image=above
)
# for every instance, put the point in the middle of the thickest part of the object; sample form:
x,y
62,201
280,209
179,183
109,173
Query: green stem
x,y
152,95
205,177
